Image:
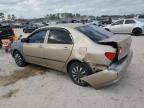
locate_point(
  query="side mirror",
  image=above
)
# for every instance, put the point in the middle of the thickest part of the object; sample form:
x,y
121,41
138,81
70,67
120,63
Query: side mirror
x,y
24,40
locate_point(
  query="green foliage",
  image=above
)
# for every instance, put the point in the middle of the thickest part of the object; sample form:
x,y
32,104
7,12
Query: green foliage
x,y
65,15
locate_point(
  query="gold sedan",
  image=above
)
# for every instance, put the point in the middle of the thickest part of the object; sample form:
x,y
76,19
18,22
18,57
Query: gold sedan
x,y
89,54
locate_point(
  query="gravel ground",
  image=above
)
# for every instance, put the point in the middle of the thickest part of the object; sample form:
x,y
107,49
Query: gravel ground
x,y
55,90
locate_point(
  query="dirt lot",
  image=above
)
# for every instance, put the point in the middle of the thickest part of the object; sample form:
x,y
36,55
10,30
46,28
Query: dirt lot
x,y
38,87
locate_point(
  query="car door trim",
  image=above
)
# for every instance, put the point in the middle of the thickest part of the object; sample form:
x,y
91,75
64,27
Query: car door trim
x,y
46,58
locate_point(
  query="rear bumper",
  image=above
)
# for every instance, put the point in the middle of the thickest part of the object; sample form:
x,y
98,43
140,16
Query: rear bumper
x,y
110,75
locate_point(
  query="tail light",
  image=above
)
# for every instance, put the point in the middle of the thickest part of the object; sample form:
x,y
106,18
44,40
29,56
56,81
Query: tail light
x,y
110,55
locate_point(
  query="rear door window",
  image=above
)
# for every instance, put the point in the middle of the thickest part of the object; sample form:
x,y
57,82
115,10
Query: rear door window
x,y
59,36
130,22
94,33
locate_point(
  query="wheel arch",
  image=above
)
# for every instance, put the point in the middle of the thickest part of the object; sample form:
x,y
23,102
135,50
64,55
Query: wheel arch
x,y
76,60
70,62
136,28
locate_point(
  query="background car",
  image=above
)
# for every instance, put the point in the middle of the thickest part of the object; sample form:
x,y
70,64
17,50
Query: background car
x,y
97,23
29,28
104,20
130,26
6,32
89,54
17,25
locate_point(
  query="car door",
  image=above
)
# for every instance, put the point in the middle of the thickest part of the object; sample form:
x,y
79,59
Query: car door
x,y
33,49
128,26
58,48
117,27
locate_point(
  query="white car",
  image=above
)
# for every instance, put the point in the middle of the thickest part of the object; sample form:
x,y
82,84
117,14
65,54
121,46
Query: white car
x,y
130,26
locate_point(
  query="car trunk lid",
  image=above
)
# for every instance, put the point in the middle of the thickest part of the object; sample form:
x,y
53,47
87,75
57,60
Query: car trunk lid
x,y
122,43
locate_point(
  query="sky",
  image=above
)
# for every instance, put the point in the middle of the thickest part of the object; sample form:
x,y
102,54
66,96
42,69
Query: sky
x,y
39,8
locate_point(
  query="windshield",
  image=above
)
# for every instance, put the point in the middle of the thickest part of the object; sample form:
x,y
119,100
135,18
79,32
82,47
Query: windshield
x,y
94,33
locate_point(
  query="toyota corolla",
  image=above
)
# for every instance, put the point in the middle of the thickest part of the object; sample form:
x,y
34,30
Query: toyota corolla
x,y
89,54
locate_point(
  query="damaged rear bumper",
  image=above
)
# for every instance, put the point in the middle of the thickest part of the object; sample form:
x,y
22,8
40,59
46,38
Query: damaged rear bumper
x,y
110,75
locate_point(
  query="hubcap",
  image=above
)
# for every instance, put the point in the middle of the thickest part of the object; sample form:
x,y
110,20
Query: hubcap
x,y
18,59
77,73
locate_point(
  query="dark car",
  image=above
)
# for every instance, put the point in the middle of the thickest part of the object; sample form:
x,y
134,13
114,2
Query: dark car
x,y
6,32
104,20
29,28
18,25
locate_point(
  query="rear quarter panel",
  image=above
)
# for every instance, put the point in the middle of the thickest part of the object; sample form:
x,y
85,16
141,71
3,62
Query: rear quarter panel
x,y
85,50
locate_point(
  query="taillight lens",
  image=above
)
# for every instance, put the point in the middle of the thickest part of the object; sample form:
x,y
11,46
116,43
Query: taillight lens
x,y
110,55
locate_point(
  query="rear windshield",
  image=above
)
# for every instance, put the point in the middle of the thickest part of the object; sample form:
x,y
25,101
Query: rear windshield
x,y
94,33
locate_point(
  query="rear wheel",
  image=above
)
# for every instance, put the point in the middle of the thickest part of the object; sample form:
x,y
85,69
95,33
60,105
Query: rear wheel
x,y
78,70
137,31
19,59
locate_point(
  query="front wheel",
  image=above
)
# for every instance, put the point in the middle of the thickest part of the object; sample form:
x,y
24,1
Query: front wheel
x,y
78,70
19,59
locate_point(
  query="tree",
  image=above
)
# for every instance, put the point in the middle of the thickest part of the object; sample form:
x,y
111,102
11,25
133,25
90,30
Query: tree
x,y
13,17
58,16
9,17
68,16
2,17
77,15
47,17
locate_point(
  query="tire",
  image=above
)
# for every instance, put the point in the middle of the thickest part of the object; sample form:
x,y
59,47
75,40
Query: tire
x,y
19,59
78,70
137,31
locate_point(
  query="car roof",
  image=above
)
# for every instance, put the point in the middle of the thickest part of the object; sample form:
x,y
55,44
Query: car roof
x,y
69,25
